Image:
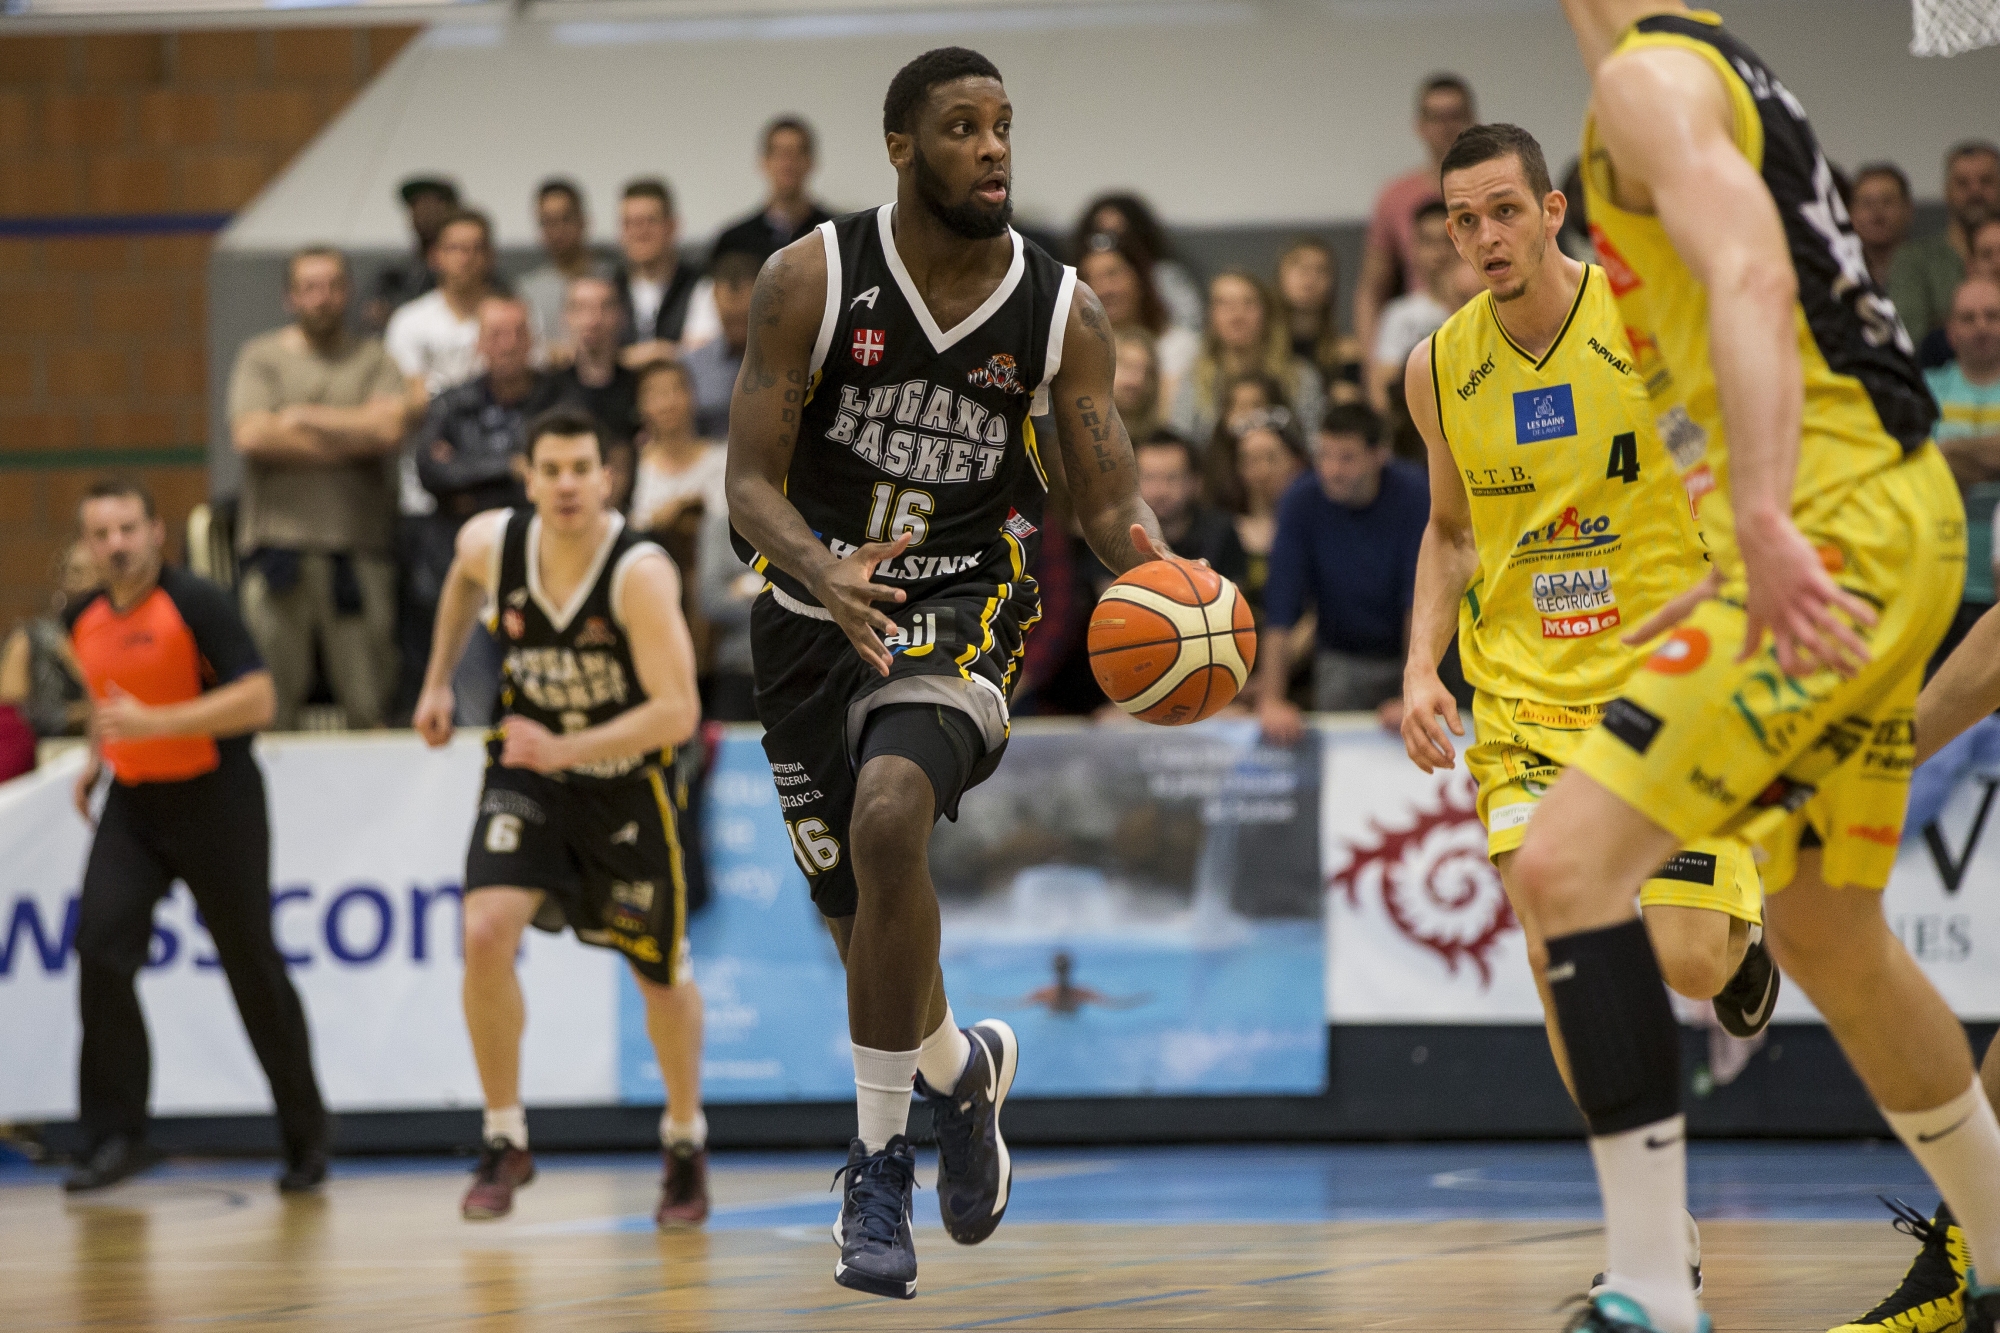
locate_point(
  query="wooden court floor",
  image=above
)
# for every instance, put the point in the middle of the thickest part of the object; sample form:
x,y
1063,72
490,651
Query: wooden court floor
x,y
383,1249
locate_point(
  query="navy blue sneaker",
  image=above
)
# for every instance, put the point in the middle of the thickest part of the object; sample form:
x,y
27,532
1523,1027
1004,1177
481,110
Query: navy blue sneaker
x,y
975,1174
1609,1312
877,1253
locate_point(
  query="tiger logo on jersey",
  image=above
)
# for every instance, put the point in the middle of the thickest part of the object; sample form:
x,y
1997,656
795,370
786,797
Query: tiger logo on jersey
x,y
1000,372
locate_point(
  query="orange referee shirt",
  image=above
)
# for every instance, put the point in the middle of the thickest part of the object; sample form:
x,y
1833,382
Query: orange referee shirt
x,y
180,640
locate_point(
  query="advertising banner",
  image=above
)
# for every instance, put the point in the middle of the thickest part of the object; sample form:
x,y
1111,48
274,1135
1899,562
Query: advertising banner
x,y
1419,931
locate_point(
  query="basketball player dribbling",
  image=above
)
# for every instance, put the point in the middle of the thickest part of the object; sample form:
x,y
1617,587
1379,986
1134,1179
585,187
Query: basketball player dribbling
x,y
576,823
1835,527
884,476
1537,423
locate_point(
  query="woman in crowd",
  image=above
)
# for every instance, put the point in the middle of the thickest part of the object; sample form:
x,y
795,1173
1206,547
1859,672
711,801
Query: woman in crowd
x,y
679,474
1270,454
1309,292
1245,398
1131,218
38,675
1122,276
1135,382
1244,336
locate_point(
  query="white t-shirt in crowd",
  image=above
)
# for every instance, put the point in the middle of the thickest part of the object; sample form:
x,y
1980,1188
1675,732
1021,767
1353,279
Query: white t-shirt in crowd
x,y
654,487
646,298
1407,321
428,341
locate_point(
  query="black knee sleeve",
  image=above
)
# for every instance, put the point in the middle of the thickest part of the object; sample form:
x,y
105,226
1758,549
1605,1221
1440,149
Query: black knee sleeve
x,y
1624,1047
943,742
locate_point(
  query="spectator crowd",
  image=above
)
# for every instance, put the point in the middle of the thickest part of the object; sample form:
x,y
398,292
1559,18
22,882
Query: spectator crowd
x,y
1270,441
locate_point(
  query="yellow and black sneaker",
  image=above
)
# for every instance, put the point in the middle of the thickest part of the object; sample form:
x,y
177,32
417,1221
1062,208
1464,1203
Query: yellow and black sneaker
x,y
1932,1297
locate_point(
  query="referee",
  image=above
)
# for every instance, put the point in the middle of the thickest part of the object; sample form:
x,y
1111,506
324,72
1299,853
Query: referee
x,y
176,687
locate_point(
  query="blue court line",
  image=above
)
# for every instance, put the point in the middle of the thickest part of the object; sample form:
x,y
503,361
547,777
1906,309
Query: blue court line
x,y
107,224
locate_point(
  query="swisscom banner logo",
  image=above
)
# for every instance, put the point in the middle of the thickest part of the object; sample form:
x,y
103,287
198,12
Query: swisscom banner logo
x,y
1544,414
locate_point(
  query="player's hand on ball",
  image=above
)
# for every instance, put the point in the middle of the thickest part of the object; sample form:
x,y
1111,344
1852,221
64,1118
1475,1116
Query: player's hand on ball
x,y
433,719
1794,597
1427,709
848,590
531,745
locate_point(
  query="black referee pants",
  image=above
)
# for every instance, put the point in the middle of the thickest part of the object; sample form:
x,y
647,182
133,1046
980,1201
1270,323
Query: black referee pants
x,y
211,832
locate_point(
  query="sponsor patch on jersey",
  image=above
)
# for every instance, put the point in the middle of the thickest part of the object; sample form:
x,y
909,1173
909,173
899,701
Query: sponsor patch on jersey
x,y
1567,591
1000,372
1491,481
870,346
1683,436
1580,627
1558,717
1689,868
596,633
1623,279
514,622
1685,649
1503,817
1631,724
1568,532
1544,414
1017,523
637,895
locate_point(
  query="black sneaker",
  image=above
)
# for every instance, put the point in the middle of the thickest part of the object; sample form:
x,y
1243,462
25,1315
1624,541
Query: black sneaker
x,y
975,1173
1932,1297
1694,1260
877,1253
305,1171
1745,1005
117,1158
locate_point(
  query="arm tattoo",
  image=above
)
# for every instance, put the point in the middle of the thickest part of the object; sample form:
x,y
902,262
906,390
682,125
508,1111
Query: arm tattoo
x,y
1100,427
767,309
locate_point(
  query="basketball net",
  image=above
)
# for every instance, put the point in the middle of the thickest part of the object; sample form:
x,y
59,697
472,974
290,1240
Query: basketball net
x,y
1949,27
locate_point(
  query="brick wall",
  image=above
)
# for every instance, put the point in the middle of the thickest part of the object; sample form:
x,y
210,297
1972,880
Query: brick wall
x,y
120,156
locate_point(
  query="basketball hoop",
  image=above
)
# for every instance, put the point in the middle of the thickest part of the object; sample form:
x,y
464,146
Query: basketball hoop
x,y
1950,27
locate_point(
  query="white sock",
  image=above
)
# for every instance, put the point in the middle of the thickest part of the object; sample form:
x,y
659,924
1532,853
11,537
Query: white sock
x,y
1645,1220
943,1056
882,1094
693,1132
1959,1145
506,1122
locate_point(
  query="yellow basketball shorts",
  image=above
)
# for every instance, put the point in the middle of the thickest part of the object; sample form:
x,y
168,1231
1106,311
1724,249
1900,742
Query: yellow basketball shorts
x,y
1703,744
1521,748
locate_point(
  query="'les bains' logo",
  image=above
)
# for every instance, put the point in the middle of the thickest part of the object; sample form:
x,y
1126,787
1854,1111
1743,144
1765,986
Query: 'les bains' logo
x,y
1435,882
999,372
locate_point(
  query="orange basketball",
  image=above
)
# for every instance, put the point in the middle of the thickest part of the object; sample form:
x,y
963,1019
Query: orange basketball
x,y
1172,642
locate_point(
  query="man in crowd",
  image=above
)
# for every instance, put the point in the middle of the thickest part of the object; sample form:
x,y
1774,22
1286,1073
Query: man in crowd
x,y
1881,212
1928,270
177,690
1389,261
1347,540
1444,283
594,380
428,200
654,286
788,212
1170,482
313,412
565,229
713,365
469,458
1968,431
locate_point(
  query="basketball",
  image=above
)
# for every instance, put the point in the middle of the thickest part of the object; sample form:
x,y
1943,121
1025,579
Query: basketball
x,y
1172,642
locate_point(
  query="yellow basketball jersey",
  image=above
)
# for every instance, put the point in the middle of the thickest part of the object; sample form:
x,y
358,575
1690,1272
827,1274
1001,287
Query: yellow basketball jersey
x,y
1866,406
1581,520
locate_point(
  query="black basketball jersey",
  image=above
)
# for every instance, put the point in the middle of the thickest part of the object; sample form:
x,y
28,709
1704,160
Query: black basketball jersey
x,y
567,667
1852,320
910,428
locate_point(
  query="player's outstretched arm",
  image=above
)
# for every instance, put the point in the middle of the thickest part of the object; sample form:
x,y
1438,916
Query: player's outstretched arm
x,y
1666,120
1965,689
467,585
1447,560
649,604
1096,450
785,312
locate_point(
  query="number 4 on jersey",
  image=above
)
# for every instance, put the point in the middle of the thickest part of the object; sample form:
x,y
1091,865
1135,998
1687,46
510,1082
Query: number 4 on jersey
x,y
1624,458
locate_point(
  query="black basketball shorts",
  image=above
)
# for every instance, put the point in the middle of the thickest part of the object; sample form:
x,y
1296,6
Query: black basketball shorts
x,y
815,695
606,854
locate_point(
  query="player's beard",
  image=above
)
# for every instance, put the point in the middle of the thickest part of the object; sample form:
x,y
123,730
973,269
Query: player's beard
x,y
967,219
1520,288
